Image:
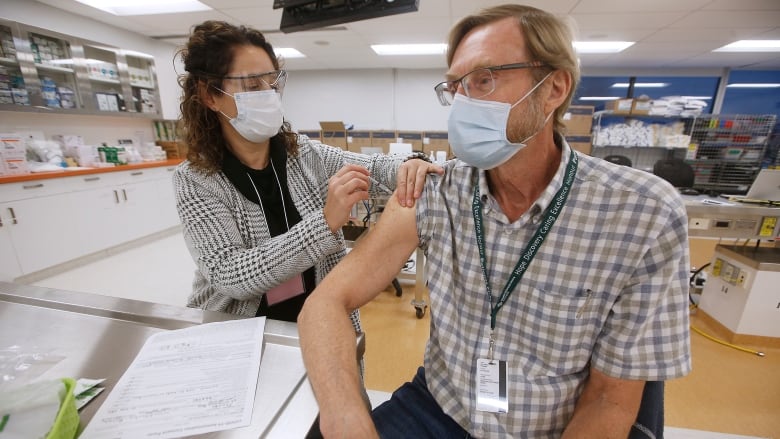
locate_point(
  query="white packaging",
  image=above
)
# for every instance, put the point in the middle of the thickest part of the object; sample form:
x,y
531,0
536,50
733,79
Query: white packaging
x,y
12,146
68,139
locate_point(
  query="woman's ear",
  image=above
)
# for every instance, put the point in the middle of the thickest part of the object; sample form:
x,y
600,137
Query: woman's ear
x,y
206,97
560,84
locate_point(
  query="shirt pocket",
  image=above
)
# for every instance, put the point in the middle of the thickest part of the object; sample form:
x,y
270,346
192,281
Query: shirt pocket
x,y
557,331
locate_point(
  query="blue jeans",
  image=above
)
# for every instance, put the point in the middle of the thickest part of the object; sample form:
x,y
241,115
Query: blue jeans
x,y
412,412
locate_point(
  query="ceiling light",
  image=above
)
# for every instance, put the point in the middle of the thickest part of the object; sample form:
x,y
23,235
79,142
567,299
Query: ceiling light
x,y
751,46
601,46
754,85
409,49
641,84
145,7
288,52
599,98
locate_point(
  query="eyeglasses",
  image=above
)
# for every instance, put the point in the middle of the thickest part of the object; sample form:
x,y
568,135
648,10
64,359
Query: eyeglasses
x,y
273,80
477,83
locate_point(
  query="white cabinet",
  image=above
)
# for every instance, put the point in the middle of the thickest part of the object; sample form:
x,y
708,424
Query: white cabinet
x,y
44,71
168,215
48,222
9,265
42,232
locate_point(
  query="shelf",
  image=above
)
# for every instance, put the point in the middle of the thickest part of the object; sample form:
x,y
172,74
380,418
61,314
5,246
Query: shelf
x,y
104,80
610,113
54,68
640,147
76,75
142,85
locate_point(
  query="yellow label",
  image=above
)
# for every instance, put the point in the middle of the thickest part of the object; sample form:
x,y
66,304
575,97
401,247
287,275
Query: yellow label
x,y
716,266
768,226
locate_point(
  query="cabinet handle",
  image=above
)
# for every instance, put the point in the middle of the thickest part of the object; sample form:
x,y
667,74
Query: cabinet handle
x,y
124,194
92,179
13,215
116,196
137,173
171,169
32,186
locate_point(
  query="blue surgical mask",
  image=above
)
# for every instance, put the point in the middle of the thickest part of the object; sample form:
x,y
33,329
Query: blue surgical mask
x,y
477,130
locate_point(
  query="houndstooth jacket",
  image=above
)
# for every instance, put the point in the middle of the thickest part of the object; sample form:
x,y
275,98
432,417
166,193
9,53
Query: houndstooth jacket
x,y
237,260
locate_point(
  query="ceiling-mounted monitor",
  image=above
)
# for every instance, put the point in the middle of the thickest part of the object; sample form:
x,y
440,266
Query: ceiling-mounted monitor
x,y
301,15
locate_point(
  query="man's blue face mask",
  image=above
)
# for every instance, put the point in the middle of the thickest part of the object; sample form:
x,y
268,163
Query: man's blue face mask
x,y
477,130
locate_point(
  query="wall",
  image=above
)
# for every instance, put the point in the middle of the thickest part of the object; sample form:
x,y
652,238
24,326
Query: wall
x,y
94,129
367,99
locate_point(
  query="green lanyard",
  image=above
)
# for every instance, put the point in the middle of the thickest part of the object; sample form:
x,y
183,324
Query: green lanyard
x,y
550,216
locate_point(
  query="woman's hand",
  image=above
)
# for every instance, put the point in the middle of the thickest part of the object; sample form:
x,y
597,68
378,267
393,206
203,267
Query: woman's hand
x,y
347,187
411,180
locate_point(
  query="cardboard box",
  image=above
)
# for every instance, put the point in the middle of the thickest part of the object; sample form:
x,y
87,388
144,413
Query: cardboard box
x,y
413,137
620,106
174,150
436,141
335,138
314,135
357,140
579,119
641,107
582,144
334,133
383,139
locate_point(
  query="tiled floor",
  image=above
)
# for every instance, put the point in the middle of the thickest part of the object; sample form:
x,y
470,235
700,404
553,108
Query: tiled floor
x,y
161,271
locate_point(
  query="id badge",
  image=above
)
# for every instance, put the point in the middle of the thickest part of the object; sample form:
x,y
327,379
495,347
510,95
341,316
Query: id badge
x,y
491,386
290,288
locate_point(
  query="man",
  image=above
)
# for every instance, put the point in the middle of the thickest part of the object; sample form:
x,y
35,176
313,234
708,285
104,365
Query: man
x,y
558,281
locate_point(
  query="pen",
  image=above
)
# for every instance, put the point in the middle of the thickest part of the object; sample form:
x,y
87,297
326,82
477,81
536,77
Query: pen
x,y
380,185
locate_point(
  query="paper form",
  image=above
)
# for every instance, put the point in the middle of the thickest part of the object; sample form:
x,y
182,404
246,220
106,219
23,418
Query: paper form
x,y
185,382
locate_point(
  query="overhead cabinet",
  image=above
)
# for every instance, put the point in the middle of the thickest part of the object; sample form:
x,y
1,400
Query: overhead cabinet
x,y
41,70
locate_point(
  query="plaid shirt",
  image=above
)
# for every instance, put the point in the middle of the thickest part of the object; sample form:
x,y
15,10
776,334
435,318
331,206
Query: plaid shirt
x,y
608,289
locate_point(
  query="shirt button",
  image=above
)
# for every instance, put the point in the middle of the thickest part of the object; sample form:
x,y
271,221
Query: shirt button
x,y
508,231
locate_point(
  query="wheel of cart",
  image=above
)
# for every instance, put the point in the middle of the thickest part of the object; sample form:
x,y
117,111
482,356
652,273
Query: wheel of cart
x,y
419,308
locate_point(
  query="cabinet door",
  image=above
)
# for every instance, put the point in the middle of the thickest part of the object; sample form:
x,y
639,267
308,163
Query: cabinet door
x,y
143,83
9,265
12,87
168,215
44,231
139,211
105,90
54,83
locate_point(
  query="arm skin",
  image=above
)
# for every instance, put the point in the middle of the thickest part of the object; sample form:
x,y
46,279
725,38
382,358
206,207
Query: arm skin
x,y
606,409
326,334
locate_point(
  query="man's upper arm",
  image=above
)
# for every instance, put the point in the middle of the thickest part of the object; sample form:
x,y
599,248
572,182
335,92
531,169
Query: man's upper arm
x,y
377,257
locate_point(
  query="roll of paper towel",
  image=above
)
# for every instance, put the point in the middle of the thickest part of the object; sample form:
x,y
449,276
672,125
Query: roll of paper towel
x,y
441,156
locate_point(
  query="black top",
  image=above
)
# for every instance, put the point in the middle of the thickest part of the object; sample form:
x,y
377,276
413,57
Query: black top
x,y
268,188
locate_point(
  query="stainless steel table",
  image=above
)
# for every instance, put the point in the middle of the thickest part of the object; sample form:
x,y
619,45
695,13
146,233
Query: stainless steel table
x,y
100,336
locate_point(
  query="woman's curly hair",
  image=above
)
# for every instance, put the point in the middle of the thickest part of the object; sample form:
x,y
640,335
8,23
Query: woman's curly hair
x,y
207,57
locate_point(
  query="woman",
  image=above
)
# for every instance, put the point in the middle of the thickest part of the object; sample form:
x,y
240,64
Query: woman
x,y
262,207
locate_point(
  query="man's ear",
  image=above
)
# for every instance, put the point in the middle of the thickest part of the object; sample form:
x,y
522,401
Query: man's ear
x,y
560,84
206,96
